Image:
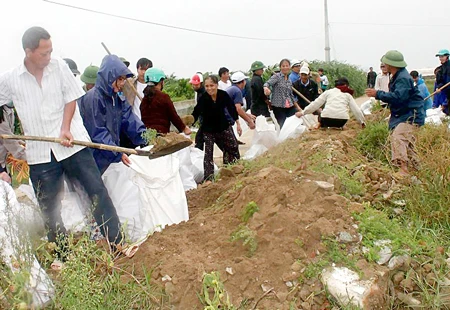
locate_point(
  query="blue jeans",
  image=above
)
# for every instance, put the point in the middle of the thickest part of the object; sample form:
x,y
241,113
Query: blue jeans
x,y
48,184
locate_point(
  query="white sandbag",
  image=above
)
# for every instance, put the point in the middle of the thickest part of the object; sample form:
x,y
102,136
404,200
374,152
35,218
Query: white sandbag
x,y
255,151
366,106
186,169
197,158
310,121
124,193
244,127
161,192
293,127
16,249
434,116
265,133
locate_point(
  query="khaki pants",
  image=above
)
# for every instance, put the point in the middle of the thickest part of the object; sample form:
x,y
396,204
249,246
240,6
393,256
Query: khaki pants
x,y
403,145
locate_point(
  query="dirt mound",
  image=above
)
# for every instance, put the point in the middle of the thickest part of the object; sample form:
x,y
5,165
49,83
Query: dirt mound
x,y
294,214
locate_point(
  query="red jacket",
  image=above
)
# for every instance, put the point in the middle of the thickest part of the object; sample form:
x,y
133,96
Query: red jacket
x,y
158,112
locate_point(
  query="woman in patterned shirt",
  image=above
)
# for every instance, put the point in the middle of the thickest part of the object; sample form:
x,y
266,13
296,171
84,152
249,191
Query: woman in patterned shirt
x,y
283,101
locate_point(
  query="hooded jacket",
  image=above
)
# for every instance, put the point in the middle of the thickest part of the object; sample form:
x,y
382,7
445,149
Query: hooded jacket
x,y
404,100
106,114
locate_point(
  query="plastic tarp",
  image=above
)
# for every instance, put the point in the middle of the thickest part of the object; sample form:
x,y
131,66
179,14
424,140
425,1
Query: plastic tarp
x,y
16,250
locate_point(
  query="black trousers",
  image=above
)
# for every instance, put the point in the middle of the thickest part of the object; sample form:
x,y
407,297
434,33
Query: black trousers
x,y
332,122
282,113
48,183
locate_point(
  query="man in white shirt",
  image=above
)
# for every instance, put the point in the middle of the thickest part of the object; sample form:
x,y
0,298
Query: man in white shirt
x,y
224,75
44,92
382,81
142,65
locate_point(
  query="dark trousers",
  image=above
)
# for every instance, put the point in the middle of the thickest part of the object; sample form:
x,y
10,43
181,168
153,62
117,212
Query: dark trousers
x,y
199,139
227,143
48,183
332,122
282,113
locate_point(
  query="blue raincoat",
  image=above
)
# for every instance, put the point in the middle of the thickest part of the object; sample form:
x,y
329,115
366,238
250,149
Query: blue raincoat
x,y
106,114
425,93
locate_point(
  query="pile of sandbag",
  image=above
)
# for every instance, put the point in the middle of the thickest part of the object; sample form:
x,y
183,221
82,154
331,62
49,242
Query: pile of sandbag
x,y
148,196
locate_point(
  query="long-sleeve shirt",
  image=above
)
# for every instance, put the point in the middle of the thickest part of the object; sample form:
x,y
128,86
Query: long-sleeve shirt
x,y
403,100
382,82
371,77
310,90
214,113
337,105
259,100
282,96
158,112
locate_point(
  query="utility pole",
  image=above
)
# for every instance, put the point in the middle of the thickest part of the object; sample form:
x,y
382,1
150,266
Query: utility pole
x,y
327,34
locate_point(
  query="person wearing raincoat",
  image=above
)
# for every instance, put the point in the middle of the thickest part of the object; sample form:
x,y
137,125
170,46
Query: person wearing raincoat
x,y
106,114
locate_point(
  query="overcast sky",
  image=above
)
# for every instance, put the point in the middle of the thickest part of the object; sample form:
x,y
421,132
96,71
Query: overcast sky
x,y
77,34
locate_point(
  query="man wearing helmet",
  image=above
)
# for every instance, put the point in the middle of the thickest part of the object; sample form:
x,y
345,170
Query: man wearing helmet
x,y
106,114
89,76
260,102
407,111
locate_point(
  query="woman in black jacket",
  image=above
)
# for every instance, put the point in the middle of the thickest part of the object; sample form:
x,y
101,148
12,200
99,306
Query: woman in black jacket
x,y
218,113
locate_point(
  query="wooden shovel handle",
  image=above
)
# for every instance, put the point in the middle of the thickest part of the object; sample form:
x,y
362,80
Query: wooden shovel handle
x,y
437,90
82,143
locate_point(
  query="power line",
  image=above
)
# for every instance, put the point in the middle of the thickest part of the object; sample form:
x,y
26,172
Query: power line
x,y
173,27
381,24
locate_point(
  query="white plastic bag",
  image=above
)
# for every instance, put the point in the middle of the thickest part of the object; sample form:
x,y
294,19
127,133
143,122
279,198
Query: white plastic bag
x,y
293,127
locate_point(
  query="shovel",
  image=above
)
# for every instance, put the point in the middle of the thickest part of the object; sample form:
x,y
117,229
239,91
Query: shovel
x,y
307,101
152,155
437,90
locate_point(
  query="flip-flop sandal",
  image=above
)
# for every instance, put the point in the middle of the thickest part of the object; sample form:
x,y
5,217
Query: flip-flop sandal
x,y
57,265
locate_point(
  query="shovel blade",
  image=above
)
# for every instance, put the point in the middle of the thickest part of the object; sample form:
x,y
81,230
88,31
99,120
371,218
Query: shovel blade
x,y
170,149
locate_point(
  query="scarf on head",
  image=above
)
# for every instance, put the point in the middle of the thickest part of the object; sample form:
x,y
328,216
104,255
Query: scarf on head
x,y
345,89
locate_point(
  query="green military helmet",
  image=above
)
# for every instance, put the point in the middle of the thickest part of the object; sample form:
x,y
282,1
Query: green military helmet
x,y
126,62
394,58
443,52
276,68
154,75
89,75
257,65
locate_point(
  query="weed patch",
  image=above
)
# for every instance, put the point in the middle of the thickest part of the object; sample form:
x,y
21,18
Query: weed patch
x,y
247,236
